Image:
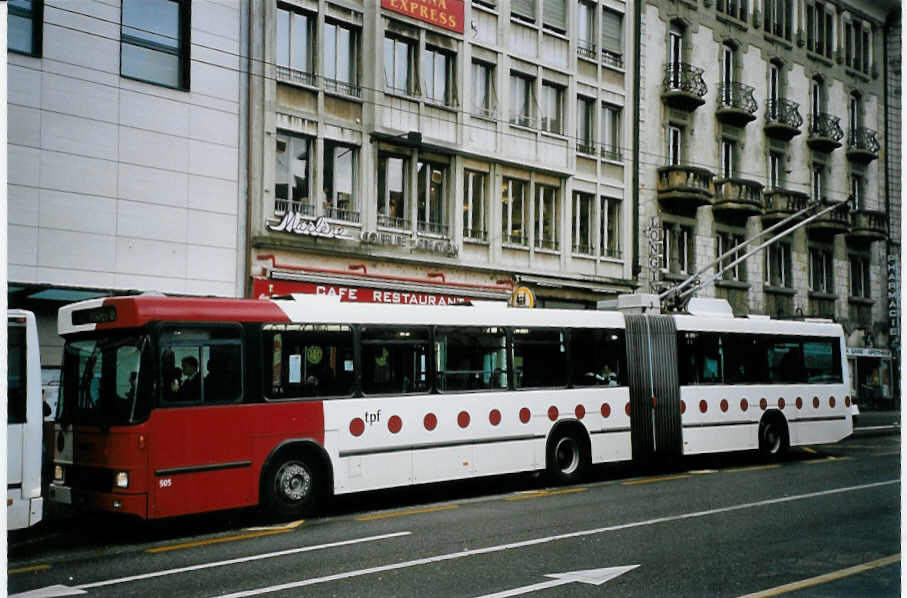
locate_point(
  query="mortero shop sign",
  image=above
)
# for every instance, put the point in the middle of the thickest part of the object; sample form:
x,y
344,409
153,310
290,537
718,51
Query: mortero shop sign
x,y
443,13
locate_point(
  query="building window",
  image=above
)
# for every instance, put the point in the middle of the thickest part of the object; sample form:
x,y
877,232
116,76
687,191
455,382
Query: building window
x,y
817,189
775,170
513,212
430,193
552,108
856,46
727,75
820,29
437,83
523,9
777,265
611,126
24,22
728,151
774,88
855,113
393,209
821,270
678,249
154,42
856,192
584,131
555,15
859,277
339,181
818,96
675,145
341,59
474,206
295,37
732,8
609,229
484,99
778,17
583,219
547,216
675,56
293,175
521,94
398,65
732,242
612,38
585,30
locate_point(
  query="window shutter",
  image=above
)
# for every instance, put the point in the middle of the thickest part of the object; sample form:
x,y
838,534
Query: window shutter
x,y
523,8
612,31
556,14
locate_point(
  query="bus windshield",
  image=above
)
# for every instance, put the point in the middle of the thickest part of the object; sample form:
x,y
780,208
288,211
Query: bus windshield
x,y
103,382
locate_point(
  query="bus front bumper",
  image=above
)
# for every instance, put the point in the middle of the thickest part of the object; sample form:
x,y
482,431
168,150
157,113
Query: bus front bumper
x,y
133,504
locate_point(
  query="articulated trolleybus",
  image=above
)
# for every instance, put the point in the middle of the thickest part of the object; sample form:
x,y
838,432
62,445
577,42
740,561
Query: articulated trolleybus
x,y
182,405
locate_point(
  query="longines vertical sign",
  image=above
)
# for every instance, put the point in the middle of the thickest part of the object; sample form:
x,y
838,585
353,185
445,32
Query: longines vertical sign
x,y
443,13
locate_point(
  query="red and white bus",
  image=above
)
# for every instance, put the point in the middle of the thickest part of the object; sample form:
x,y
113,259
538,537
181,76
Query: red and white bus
x,y
172,406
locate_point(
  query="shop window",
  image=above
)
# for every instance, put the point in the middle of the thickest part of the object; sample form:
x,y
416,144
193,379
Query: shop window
x,y
471,358
394,360
539,358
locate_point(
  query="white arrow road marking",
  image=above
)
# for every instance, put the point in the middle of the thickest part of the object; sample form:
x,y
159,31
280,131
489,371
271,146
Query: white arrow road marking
x,y
50,592
591,576
537,541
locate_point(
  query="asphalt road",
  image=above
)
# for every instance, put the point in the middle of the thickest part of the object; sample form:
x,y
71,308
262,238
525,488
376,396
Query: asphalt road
x,y
823,522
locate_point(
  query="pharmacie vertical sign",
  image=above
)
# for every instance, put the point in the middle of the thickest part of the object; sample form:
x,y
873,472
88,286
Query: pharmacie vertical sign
x,y
894,308
447,14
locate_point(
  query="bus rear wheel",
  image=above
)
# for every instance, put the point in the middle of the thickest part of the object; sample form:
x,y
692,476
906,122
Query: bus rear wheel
x,y
291,488
567,459
773,439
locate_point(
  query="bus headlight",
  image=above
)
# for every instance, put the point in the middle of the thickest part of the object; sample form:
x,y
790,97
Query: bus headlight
x,y
122,479
58,474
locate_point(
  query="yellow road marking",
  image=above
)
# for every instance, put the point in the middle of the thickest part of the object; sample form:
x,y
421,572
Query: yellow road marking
x,y
826,460
814,581
291,525
218,540
28,569
753,468
888,454
809,450
405,513
654,480
543,493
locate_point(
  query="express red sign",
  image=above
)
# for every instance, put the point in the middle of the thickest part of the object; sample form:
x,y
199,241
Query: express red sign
x,y
264,287
443,13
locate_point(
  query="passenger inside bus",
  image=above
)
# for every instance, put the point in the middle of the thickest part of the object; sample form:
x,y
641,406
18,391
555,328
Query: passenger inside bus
x,y
191,387
170,375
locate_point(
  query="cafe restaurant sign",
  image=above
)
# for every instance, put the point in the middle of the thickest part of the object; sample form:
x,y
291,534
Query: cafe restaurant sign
x,y
447,14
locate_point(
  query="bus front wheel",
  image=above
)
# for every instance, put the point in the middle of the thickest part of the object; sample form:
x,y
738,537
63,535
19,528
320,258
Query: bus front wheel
x,y
567,459
291,488
773,439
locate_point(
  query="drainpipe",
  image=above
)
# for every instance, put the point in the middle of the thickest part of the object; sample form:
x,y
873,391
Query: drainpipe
x,y
637,45
247,274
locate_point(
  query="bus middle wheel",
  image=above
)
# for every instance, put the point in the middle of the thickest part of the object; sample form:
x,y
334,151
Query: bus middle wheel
x,y
567,458
773,439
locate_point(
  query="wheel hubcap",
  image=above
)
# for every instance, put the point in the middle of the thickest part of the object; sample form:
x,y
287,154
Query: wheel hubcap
x,y
566,454
294,482
772,439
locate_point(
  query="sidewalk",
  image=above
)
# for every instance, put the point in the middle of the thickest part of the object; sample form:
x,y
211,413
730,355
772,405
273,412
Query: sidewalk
x,y
880,422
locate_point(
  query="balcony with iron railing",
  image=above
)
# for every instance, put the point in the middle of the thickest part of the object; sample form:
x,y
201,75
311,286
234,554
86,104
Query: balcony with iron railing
x,y
683,86
342,87
433,228
286,74
393,222
586,49
867,226
737,197
548,244
610,152
341,214
862,145
684,187
475,234
782,119
831,223
736,104
303,208
825,132
782,203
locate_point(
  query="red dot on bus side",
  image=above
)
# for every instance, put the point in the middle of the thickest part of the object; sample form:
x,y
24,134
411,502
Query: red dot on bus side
x,y
394,424
816,402
463,419
357,427
724,404
781,403
683,407
799,402
525,415
627,408
553,413
580,412
831,402
606,410
703,406
430,422
847,401
744,405
494,417
763,404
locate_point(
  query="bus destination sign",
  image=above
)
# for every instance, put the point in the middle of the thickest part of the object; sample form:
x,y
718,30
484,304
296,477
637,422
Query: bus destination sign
x,y
447,14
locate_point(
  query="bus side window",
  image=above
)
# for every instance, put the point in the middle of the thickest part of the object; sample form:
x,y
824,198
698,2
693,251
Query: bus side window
x,y
597,357
785,361
394,360
539,358
470,358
